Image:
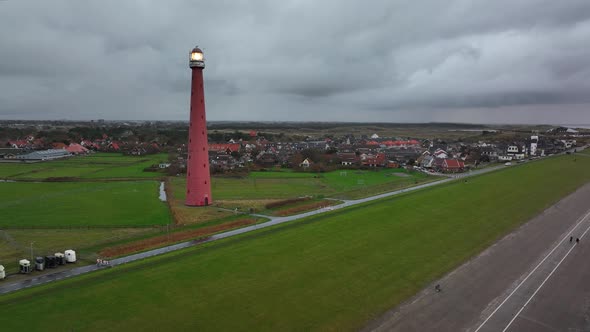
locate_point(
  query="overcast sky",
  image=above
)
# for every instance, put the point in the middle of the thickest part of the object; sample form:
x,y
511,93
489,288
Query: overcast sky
x,y
473,61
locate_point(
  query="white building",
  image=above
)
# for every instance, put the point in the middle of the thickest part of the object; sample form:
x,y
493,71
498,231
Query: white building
x,y
534,141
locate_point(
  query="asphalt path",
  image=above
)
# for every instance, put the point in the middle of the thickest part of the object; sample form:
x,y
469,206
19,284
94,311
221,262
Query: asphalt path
x,y
498,289
7,287
563,301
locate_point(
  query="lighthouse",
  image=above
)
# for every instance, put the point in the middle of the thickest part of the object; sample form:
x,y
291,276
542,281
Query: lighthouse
x,y
198,180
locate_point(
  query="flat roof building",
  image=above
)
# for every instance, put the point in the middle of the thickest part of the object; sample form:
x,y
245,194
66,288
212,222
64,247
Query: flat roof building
x,y
44,155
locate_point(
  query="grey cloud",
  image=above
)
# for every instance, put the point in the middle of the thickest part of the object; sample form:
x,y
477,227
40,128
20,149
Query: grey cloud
x,y
303,60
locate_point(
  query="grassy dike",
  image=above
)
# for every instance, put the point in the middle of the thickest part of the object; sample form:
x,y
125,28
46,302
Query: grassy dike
x,y
331,272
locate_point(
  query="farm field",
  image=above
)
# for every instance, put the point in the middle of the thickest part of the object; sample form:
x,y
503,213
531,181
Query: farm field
x,y
335,271
118,204
95,166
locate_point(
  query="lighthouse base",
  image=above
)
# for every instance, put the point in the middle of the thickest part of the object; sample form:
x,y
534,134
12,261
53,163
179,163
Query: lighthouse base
x,y
205,201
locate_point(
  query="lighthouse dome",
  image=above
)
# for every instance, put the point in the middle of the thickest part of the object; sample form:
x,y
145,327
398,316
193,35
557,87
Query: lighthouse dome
x,y
196,59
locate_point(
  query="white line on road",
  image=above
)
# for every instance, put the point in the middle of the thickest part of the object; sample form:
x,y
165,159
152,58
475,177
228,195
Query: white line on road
x,y
544,281
533,271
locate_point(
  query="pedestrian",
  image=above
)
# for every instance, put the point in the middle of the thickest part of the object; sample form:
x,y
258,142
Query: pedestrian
x,y
97,262
577,240
437,288
571,239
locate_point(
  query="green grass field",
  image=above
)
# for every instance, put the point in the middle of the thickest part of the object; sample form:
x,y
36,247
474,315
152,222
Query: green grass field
x,y
331,272
338,184
82,204
95,166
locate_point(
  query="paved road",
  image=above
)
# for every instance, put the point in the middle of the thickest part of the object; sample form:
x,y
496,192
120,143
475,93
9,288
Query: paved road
x,y
563,303
6,286
487,293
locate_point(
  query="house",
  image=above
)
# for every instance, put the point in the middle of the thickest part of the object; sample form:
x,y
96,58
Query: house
x,y
306,163
440,153
227,148
347,158
114,146
392,164
266,159
491,153
427,162
377,160
137,151
89,144
512,149
18,144
75,148
9,153
516,151
452,165
58,145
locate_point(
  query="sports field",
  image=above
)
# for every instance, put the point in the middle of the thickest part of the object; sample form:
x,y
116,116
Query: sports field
x,y
334,271
95,166
46,204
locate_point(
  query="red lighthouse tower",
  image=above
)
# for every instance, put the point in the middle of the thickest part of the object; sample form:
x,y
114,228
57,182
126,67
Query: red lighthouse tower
x,y
198,184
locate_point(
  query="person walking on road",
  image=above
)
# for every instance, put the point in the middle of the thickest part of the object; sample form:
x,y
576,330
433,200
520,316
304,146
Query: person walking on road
x,y
577,240
571,239
437,288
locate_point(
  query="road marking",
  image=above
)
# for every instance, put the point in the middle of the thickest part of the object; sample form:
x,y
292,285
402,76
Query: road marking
x,y
533,271
544,281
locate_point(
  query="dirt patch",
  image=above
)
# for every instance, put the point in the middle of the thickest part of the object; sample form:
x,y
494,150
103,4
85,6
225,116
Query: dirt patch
x,y
305,207
162,240
191,215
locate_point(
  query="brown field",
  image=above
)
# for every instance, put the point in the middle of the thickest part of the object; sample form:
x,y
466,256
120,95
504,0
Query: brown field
x,y
171,238
308,206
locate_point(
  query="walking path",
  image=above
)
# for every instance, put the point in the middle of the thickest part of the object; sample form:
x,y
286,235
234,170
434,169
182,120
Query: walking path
x,y
10,287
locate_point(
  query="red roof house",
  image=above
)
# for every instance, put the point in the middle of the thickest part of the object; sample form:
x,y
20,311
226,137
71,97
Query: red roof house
x,y
452,165
58,145
75,148
228,147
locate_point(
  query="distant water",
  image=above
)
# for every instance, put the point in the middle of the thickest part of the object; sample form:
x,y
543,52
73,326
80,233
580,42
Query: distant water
x,y
162,192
